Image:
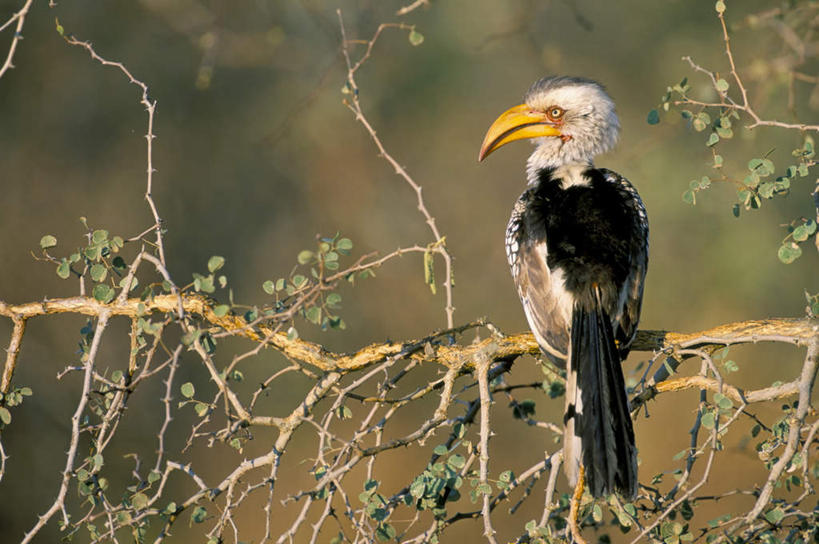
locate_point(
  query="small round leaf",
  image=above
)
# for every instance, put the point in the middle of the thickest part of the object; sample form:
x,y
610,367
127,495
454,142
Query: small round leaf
x,y
215,263
416,38
103,293
187,390
48,241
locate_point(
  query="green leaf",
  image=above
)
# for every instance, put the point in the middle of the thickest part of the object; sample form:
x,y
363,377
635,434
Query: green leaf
x,y
484,489
98,272
215,263
766,189
64,269
689,197
139,501
203,283
440,449
5,415
299,280
789,252
775,515
103,293
723,402
523,409
456,461
332,299
653,117
344,245
801,233
712,139
188,390
803,170
313,314
720,6
305,256
722,85
119,263
416,38
708,420
99,236
269,287
48,241
597,513
221,310
429,271
199,514
385,531
718,161
154,476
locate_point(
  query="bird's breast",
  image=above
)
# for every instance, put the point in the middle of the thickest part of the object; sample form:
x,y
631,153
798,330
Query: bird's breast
x,y
589,231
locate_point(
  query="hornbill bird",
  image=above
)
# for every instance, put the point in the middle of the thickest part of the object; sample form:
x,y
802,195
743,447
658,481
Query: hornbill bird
x,y
577,244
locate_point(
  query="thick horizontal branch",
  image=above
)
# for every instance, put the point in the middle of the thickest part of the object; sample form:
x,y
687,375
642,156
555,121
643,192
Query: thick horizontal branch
x,y
798,331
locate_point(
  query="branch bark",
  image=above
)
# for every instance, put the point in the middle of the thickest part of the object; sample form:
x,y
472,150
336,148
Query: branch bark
x,y
797,331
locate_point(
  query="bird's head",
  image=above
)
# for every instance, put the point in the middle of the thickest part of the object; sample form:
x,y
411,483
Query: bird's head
x,y
570,120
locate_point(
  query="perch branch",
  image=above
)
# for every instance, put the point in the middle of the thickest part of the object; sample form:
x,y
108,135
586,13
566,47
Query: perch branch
x,y
797,331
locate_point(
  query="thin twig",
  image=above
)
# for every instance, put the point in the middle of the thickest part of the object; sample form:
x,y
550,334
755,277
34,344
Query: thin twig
x,y
20,17
354,105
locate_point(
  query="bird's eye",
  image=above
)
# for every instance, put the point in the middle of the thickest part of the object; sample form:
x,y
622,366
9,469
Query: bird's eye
x,y
555,112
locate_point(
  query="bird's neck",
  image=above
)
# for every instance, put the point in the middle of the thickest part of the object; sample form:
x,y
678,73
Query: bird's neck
x,y
566,174
553,157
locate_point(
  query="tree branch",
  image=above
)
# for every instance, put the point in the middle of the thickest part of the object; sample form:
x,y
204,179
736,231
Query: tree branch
x,y
797,331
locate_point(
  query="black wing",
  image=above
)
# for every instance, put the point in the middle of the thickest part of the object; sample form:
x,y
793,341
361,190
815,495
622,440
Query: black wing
x,y
626,319
546,303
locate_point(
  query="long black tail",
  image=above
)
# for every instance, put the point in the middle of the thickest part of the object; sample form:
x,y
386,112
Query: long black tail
x,y
598,424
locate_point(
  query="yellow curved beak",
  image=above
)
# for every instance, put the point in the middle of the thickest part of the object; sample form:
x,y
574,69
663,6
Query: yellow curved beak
x,y
516,123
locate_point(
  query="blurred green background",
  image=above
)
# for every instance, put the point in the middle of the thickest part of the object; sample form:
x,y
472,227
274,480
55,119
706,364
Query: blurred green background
x,y
256,155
